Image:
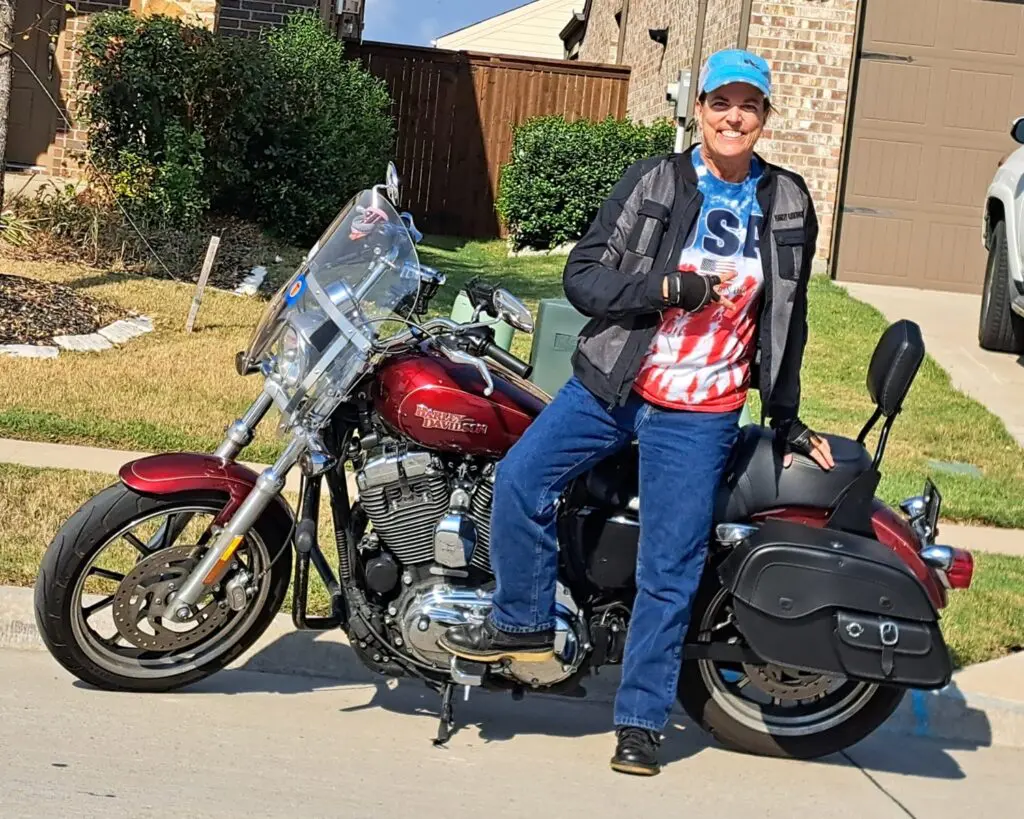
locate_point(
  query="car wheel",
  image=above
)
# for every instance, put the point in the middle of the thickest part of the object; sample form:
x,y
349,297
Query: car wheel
x,y
999,328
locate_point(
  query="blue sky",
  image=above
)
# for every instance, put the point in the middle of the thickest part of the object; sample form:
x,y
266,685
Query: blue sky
x,y
417,22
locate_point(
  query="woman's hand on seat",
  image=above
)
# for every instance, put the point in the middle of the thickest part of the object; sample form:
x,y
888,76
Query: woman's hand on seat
x,y
806,441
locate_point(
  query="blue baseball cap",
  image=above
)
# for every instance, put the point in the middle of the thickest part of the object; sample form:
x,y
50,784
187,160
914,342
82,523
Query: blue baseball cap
x,y
734,65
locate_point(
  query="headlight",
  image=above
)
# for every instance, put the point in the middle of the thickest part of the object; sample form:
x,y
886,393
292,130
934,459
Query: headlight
x,y
293,360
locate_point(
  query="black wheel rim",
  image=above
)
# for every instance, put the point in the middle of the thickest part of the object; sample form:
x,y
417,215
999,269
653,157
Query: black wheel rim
x,y
768,700
92,601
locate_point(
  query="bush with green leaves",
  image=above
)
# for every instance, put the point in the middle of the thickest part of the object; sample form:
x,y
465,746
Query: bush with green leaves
x,y
281,129
561,172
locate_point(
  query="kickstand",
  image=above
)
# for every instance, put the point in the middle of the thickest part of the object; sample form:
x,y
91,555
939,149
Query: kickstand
x,y
444,729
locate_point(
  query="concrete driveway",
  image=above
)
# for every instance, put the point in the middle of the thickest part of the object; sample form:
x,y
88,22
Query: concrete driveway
x,y
262,745
949,322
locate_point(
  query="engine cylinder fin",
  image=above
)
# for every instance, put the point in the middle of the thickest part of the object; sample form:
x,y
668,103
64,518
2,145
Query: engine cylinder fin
x,y
405,521
480,512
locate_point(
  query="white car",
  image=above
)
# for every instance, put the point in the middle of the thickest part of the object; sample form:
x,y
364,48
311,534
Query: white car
x,y
1001,325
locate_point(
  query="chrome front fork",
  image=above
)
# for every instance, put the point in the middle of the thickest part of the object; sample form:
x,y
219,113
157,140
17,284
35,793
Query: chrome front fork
x,y
269,485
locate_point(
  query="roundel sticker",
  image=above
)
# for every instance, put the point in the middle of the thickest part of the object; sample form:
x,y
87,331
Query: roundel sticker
x,y
295,291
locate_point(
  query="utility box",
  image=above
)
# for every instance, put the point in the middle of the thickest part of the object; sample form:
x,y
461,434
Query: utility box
x,y
462,312
554,342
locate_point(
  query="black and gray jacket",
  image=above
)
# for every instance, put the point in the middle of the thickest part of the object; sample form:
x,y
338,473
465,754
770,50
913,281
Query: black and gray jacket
x,y
614,275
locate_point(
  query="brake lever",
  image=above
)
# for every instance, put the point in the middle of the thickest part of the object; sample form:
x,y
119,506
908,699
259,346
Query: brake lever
x,y
462,357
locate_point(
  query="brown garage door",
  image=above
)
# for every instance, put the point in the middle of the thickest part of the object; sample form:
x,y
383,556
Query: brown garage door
x,y
939,82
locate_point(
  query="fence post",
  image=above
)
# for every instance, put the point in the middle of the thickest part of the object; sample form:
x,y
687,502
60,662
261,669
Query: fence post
x,y
197,299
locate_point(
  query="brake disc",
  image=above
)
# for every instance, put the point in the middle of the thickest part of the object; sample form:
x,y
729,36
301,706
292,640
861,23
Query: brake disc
x,y
141,599
787,683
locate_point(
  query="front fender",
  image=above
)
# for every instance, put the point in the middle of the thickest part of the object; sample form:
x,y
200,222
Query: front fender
x,y
176,472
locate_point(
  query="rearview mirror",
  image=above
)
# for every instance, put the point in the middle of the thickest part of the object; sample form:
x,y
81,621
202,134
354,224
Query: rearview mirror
x,y
512,311
393,184
1017,131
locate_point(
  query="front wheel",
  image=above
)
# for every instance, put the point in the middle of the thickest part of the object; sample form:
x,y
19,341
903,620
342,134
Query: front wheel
x,y
104,581
772,710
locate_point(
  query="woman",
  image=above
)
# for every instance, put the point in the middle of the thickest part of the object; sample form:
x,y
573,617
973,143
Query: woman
x,y
694,273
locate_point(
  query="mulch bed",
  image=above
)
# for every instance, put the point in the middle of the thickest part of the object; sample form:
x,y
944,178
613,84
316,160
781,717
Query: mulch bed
x,y
33,312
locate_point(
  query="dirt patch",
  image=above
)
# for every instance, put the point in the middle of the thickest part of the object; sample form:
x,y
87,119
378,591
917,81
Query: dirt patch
x,y
32,311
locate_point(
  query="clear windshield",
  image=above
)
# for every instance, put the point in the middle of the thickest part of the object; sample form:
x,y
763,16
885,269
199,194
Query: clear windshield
x,y
319,327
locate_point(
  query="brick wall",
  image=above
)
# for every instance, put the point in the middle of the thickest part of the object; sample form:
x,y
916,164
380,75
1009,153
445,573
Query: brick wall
x,y
721,26
809,44
70,142
253,16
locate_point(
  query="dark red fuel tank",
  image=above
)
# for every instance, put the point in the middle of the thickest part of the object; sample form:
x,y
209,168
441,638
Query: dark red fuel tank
x,y
441,405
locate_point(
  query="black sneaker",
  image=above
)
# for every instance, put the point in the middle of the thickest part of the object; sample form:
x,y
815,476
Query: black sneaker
x,y
636,751
485,643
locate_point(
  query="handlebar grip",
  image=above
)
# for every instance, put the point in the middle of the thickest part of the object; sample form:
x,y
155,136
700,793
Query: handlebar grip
x,y
507,360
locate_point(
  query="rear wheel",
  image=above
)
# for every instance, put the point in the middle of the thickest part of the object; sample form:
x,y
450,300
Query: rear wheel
x,y
772,710
104,581
999,328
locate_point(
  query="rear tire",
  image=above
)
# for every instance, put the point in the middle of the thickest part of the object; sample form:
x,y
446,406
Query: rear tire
x,y
999,328
709,706
88,532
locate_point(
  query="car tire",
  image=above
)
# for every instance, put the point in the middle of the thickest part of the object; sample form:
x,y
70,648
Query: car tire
x,y
999,328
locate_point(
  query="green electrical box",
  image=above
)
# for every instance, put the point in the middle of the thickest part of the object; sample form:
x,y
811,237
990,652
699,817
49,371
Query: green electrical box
x,y
554,342
462,312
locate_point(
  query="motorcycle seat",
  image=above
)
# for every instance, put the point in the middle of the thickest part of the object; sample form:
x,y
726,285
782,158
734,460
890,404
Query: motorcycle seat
x,y
755,481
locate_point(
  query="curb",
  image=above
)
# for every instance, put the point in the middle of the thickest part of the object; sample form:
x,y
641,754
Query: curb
x,y
952,714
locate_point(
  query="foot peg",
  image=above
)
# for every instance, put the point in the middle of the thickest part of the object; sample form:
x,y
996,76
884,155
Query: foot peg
x,y
466,672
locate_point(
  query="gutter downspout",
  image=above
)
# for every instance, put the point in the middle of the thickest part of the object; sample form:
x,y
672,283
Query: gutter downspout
x,y
698,44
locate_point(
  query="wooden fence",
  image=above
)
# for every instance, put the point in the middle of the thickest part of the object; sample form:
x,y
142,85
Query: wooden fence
x,y
454,112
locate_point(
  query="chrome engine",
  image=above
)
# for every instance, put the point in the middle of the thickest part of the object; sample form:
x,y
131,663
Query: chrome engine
x,y
427,610
437,527
421,517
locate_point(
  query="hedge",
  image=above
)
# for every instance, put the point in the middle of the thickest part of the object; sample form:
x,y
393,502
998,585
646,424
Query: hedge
x,y
280,129
561,172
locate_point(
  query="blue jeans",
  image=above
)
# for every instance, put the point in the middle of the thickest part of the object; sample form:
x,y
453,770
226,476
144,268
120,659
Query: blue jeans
x,y
682,456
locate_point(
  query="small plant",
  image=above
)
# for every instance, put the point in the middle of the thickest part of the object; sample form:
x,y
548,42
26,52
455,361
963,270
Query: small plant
x,y
561,172
14,229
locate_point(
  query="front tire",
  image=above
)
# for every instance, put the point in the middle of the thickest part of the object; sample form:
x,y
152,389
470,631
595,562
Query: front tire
x,y
66,606
999,328
837,713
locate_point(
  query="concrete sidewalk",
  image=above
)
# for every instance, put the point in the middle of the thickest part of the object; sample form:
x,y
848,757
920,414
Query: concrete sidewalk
x,y
109,461
949,322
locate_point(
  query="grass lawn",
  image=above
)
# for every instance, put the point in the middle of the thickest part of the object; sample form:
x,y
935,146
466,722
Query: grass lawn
x,y
981,624
170,390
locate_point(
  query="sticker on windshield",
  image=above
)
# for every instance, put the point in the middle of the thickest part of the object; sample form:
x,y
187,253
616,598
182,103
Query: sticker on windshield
x,y
296,290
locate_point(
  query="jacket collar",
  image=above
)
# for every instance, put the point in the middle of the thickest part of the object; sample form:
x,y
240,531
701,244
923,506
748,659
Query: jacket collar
x,y
689,175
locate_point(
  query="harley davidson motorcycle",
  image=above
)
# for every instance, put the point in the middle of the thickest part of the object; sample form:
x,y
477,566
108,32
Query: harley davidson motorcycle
x,y
819,606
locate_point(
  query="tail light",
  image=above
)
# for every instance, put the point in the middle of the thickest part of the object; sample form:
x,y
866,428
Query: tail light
x,y
955,566
961,572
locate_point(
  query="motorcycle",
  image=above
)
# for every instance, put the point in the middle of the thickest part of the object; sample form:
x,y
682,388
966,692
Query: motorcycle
x,y
818,609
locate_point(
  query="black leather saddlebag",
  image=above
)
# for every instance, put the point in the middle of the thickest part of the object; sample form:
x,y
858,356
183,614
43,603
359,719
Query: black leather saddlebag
x,y
828,601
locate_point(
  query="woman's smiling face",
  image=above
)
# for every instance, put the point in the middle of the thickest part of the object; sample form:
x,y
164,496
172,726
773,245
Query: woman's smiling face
x,y
732,118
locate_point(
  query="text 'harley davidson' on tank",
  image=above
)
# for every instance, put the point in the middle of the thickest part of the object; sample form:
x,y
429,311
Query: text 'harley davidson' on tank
x,y
817,611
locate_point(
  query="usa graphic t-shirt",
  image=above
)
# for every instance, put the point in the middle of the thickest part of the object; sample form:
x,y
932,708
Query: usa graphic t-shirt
x,y
701,361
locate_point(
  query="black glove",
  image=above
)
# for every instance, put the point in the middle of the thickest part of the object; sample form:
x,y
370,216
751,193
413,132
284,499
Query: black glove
x,y
801,438
691,291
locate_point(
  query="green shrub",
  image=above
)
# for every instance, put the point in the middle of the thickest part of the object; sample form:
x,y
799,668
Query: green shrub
x,y
561,172
139,78
280,129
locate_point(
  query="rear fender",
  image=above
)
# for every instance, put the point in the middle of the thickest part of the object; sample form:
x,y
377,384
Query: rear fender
x,y
176,472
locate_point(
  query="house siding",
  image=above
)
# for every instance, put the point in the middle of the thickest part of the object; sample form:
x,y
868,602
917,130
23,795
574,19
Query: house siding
x,y
529,31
